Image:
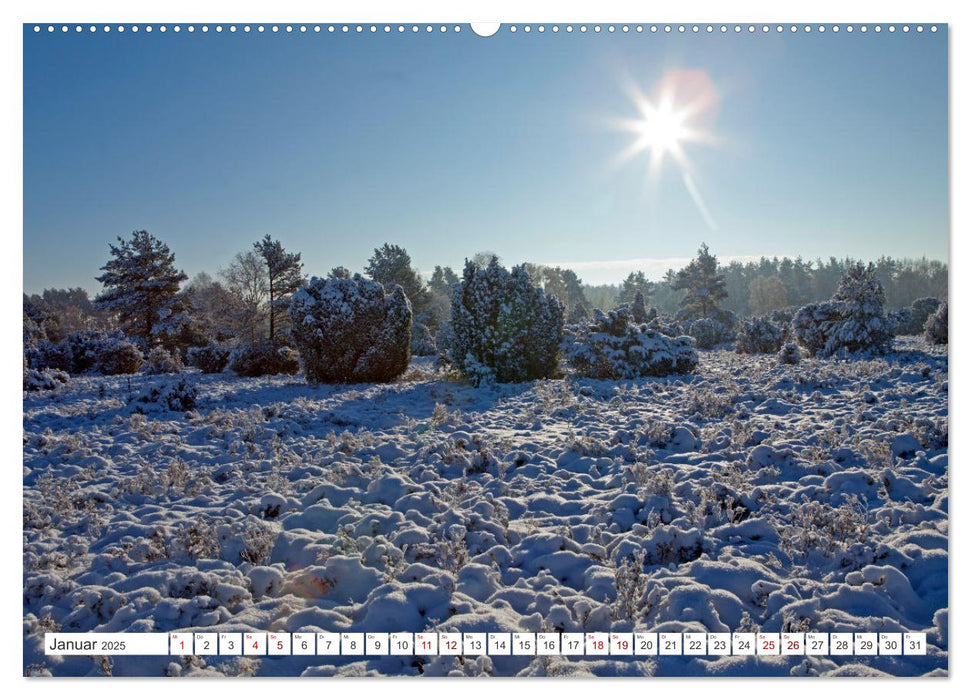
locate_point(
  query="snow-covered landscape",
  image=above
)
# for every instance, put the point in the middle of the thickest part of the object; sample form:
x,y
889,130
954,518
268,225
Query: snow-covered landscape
x,y
747,495
563,329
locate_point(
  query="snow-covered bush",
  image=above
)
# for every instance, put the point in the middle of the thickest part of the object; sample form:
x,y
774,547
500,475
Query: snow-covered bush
x,y
87,351
211,359
422,341
812,325
85,348
935,330
351,330
852,321
44,379
708,333
504,329
758,335
263,358
119,356
612,347
161,361
923,308
47,355
171,396
790,354
904,322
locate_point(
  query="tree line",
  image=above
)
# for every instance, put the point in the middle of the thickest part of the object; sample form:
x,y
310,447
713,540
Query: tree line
x,y
151,300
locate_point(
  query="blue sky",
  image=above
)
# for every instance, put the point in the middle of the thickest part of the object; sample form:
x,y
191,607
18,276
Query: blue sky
x,y
450,144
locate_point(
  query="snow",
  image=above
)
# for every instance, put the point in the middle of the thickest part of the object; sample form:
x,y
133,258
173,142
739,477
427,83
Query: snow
x,y
746,494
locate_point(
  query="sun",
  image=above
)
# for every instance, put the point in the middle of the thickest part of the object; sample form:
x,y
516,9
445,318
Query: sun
x,y
661,131
679,112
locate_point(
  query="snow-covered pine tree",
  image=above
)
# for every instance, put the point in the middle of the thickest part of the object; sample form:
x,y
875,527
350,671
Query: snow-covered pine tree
x,y
141,284
284,274
503,328
703,284
852,321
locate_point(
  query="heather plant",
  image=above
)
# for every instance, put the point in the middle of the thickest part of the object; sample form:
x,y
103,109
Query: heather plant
x,y
350,329
503,328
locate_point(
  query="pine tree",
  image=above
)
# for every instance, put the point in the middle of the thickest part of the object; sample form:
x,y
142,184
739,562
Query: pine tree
x,y
141,284
638,309
705,287
443,279
634,283
391,265
285,277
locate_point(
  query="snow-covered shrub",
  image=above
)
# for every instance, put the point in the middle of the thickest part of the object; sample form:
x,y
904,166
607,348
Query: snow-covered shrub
x,y
211,359
612,347
852,321
666,325
85,348
48,355
504,329
161,361
923,308
935,330
171,396
87,351
263,358
728,321
904,322
119,356
812,325
790,354
44,379
351,330
912,319
708,333
422,341
757,335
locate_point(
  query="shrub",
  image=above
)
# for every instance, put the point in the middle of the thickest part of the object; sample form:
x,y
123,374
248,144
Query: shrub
x,y
44,379
85,348
350,330
852,321
504,329
263,358
923,308
812,325
422,341
161,361
211,359
758,335
935,330
790,354
612,347
172,396
905,322
119,356
48,355
708,333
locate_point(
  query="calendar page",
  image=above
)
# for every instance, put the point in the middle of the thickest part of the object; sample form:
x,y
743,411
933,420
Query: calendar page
x,y
485,350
